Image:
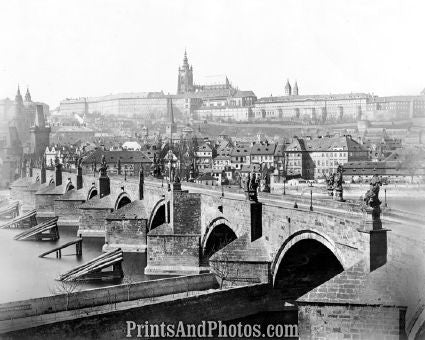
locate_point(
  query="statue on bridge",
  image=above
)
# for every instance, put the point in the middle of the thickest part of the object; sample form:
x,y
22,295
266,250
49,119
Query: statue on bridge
x,y
372,201
266,182
103,167
337,185
251,185
330,184
372,195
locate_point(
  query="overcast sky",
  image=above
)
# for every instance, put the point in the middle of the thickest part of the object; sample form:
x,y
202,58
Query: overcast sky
x,y
88,48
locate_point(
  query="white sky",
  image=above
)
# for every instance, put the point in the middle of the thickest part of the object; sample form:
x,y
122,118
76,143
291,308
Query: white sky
x,y
87,48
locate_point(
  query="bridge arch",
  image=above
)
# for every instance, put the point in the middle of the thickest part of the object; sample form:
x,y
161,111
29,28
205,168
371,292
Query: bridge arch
x,y
218,234
122,200
304,261
158,215
92,192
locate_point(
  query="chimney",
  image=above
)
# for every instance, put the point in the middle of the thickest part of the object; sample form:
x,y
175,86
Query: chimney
x,y
58,173
141,183
43,171
79,177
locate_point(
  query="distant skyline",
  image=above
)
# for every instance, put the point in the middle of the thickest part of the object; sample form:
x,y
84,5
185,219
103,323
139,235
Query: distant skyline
x,y
96,47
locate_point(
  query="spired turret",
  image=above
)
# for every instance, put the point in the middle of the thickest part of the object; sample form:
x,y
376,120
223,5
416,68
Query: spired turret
x,y
288,88
28,96
295,89
18,97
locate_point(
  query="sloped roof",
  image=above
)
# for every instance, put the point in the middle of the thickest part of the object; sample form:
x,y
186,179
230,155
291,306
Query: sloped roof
x,y
132,211
240,151
242,249
125,156
204,148
330,143
106,202
73,195
263,149
163,229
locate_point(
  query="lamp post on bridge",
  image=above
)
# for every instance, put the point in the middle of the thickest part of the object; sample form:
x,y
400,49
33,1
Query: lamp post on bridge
x,y
311,199
385,198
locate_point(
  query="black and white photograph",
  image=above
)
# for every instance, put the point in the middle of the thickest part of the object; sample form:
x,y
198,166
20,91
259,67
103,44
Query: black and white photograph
x,y
212,169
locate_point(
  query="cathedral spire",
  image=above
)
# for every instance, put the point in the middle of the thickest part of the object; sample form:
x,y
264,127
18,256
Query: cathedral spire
x,y
28,95
18,97
288,89
185,61
295,89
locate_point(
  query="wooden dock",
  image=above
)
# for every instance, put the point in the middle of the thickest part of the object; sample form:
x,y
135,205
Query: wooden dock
x,y
94,269
26,220
78,248
44,231
10,211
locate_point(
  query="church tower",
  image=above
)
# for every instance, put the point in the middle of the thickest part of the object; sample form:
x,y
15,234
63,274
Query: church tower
x,y
288,89
185,77
40,134
19,118
28,96
295,89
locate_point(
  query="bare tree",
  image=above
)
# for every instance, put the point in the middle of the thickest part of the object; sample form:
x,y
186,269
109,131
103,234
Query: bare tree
x,y
67,288
130,278
222,265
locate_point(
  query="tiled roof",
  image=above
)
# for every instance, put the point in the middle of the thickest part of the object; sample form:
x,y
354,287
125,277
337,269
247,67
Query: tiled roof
x,y
240,151
131,211
124,156
263,149
331,143
204,148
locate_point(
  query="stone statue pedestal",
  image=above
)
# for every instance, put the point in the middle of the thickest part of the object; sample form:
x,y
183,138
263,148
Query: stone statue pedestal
x,y
375,217
338,195
251,195
330,192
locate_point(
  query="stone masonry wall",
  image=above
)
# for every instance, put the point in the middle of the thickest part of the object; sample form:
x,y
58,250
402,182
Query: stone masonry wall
x,y
173,253
350,322
68,210
126,232
93,219
186,212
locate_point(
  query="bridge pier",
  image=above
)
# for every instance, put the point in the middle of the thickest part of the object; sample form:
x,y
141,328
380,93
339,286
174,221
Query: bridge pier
x,y
174,248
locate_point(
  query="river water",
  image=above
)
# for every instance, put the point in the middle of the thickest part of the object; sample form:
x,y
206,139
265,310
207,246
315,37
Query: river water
x,y
25,275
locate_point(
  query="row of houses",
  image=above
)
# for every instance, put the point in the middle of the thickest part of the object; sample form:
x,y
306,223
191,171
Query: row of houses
x,y
303,157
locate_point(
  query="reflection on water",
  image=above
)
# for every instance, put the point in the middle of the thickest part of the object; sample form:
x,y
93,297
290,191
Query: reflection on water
x,y
25,275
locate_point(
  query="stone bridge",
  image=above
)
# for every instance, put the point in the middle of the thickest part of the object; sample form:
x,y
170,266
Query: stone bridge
x,y
326,255
185,227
